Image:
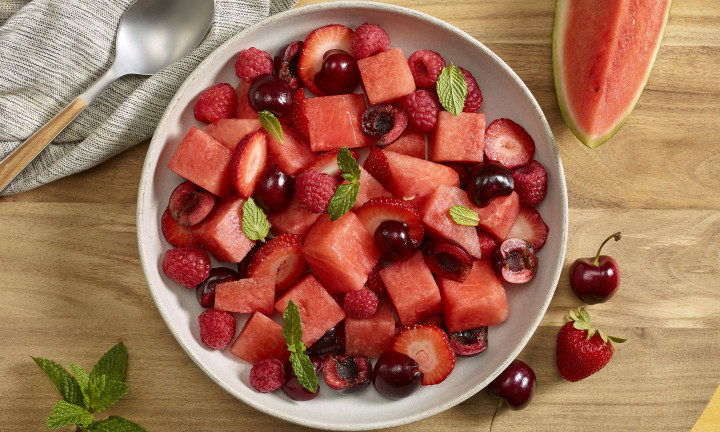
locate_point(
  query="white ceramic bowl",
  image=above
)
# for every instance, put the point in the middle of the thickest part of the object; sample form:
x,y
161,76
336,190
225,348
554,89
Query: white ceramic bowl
x,y
504,94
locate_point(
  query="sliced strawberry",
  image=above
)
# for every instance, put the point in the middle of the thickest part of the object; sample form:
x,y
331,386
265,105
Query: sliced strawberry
x,y
508,143
327,163
377,165
280,257
530,227
317,43
429,346
248,162
378,210
298,115
176,234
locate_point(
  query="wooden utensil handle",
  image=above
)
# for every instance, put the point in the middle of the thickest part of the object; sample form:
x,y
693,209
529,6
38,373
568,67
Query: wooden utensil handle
x,y
16,161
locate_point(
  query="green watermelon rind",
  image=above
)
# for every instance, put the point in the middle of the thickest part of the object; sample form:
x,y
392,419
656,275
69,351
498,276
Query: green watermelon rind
x,y
587,139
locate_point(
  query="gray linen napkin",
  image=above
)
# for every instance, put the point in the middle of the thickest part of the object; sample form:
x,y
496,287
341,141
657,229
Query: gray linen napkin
x,y
52,50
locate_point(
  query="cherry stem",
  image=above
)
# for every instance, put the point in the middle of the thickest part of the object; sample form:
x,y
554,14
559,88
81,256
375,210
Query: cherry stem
x,y
616,236
497,408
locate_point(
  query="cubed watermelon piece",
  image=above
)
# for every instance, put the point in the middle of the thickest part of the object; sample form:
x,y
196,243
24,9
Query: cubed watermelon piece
x,y
246,295
341,253
334,122
369,189
499,216
458,138
204,161
410,143
221,232
293,155
371,336
294,219
319,312
415,179
386,76
243,109
260,338
439,224
229,132
477,302
412,289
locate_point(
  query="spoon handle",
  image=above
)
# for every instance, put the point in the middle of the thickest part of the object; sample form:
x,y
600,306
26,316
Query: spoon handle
x,y
16,161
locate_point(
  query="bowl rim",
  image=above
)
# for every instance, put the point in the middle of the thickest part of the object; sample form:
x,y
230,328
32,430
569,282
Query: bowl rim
x,y
374,6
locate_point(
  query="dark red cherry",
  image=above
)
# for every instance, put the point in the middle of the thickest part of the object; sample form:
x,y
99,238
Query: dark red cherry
x,y
206,289
514,261
488,180
339,73
274,189
333,341
347,373
384,122
515,385
286,64
396,375
469,342
448,260
392,240
269,93
595,280
293,388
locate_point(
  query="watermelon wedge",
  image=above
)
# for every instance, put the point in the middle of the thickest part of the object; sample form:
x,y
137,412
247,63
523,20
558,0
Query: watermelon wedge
x,y
603,52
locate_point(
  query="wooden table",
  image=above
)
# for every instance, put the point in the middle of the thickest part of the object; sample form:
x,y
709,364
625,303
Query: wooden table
x,y
71,285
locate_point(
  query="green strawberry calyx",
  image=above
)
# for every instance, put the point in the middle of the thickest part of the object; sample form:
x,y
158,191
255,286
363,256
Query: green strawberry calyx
x,y
581,321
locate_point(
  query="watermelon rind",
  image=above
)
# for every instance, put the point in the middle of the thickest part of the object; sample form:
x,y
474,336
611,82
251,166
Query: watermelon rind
x,y
589,139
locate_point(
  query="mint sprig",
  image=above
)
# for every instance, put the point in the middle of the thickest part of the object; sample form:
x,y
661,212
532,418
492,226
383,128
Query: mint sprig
x,y
300,362
87,393
346,194
464,216
272,125
452,89
255,224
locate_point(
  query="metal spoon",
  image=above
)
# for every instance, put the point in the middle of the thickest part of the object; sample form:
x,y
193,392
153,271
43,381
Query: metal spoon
x,y
151,35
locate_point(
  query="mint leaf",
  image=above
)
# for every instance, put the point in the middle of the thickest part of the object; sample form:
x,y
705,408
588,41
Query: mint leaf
x,y
342,200
115,424
111,392
348,165
64,382
254,222
304,371
64,414
464,216
301,364
112,364
452,89
81,376
271,125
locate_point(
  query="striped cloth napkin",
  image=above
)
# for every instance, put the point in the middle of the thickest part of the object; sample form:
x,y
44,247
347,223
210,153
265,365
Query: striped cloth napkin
x,y
52,50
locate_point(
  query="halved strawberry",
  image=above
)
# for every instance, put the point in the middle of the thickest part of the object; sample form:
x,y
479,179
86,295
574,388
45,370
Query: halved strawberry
x,y
327,163
429,346
280,257
377,165
508,143
317,43
530,227
176,234
248,162
378,210
298,115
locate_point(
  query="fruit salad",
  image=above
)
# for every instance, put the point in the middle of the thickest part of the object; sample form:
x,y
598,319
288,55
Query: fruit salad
x,y
355,193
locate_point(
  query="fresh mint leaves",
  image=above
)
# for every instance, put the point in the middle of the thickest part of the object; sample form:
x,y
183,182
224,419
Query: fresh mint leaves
x,y
271,125
301,364
255,224
464,216
345,194
452,89
87,393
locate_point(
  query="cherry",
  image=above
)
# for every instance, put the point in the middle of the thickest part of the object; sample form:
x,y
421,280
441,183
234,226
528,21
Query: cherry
x,y
448,260
286,65
488,180
383,122
332,341
189,204
514,261
392,240
205,290
515,385
469,342
270,93
595,280
347,373
396,375
274,190
339,73
293,388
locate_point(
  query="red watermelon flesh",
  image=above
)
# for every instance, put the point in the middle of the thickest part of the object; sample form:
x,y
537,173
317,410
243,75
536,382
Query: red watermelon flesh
x,y
334,122
293,155
369,189
458,138
246,295
243,110
416,179
260,338
410,143
499,216
294,219
229,132
221,232
371,336
439,224
386,76
204,161
603,52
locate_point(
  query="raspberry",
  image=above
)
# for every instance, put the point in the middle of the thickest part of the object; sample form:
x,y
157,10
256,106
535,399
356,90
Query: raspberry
x,y
360,304
374,282
425,66
252,63
186,266
369,39
314,189
376,165
422,108
473,100
530,183
217,328
487,244
267,375
215,103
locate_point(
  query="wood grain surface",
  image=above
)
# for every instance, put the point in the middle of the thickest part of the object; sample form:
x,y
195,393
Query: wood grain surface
x,y
71,285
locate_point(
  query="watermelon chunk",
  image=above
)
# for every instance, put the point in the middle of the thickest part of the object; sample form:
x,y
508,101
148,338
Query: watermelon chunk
x,y
439,224
319,312
369,189
246,295
412,289
410,143
458,138
335,121
293,155
341,253
386,76
416,179
221,232
371,336
294,219
499,216
477,302
229,132
260,338
204,161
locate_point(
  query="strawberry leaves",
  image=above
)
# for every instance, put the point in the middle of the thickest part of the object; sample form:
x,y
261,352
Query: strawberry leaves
x,y
581,321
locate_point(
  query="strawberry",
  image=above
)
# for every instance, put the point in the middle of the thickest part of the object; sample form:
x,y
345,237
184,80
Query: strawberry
x,y
298,115
176,234
429,346
280,257
248,162
529,226
327,163
314,189
376,165
317,43
378,210
530,183
217,328
215,103
508,143
186,266
581,349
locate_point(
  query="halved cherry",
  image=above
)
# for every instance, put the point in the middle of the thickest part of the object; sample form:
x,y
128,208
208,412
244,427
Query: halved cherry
x,y
514,261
